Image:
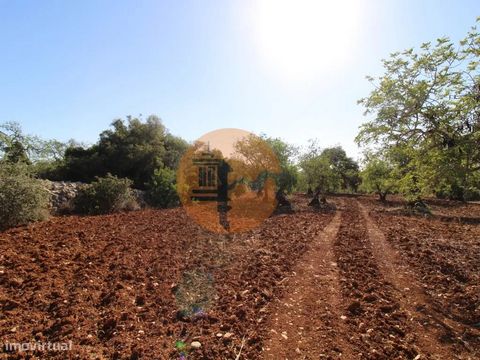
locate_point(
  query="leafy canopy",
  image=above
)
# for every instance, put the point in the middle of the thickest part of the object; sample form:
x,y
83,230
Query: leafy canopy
x,y
328,170
131,149
426,109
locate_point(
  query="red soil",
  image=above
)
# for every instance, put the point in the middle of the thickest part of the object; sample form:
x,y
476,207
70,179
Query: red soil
x,y
130,286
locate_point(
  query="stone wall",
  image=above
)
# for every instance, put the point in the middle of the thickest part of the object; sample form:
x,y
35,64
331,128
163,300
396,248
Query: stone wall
x,y
62,194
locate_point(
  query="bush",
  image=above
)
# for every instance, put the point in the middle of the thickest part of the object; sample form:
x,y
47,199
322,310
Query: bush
x,y
105,195
23,199
471,194
161,189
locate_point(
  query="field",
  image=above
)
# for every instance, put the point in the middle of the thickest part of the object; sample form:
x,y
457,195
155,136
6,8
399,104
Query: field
x,y
364,281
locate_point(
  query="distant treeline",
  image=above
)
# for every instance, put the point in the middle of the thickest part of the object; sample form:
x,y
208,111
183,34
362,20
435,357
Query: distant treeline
x,y
422,138
142,150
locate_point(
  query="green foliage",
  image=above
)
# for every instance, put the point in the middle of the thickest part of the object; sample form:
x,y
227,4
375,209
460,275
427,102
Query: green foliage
x,y
44,157
23,199
426,116
258,159
378,177
16,153
80,164
346,168
175,147
13,143
15,146
285,153
328,170
161,190
132,149
105,195
287,180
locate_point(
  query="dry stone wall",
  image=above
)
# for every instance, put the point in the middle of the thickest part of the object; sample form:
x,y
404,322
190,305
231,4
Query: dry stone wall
x,y
62,194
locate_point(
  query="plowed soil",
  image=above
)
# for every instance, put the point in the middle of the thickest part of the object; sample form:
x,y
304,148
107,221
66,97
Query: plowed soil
x,y
359,282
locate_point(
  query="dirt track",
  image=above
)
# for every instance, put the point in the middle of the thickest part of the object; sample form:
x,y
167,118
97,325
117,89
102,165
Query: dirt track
x,y
305,320
359,283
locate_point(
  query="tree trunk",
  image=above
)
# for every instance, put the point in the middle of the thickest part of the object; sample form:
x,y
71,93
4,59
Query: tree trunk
x,y
382,196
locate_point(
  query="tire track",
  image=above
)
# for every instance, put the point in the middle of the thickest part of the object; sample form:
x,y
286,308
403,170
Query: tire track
x,y
378,327
431,327
305,323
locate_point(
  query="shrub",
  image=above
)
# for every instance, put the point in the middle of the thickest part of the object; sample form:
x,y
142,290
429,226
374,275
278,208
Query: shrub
x,y
23,199
105,195
161,189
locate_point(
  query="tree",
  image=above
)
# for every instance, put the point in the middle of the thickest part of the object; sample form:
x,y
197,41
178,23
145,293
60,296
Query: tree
x,y
15,152
175,147
131,149
16,146
427,104
317,170
345,167
286,153
161,190
23,199
255,164
329,169
378,177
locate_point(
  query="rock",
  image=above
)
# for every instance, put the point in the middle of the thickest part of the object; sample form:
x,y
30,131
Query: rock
x,y
228,335
9,305
370,298
140,300
266,294
355,308
387,308
63,193
196,345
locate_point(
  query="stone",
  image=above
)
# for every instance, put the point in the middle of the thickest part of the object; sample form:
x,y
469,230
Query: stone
x,y
355,308
62,194
196,345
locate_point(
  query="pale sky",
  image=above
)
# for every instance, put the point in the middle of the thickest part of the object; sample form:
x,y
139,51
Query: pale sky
x,y
290,69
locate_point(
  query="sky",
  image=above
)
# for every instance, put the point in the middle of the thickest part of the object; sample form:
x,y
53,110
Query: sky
x,y
289,69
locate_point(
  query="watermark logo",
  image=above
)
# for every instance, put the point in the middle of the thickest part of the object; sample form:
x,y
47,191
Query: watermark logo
x,y
38,346
227,181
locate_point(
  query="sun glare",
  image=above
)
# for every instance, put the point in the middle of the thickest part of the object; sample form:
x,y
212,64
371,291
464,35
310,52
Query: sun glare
x,y
303,39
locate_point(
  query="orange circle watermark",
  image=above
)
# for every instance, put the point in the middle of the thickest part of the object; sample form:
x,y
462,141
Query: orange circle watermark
x,y
226,180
